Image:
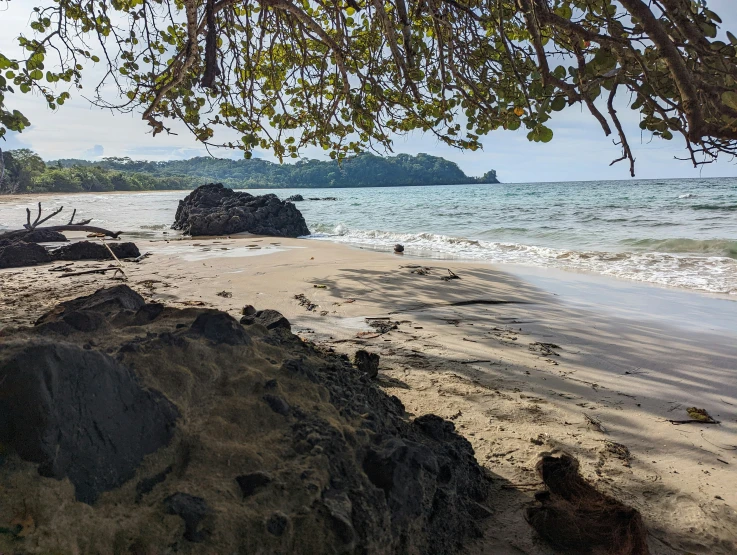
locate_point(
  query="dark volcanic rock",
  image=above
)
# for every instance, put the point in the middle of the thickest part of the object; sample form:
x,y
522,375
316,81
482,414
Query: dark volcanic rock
x,y
79,414
220,327
270,319
283,448
277,404
44,236
17,254
277,524
87,250
215,210
295,198
105,302
251,483
367,362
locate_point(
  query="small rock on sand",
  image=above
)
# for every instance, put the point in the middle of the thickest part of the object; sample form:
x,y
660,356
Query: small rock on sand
x,y
367,362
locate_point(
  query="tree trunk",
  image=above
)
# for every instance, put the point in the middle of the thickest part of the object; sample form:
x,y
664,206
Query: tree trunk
x,y
2,170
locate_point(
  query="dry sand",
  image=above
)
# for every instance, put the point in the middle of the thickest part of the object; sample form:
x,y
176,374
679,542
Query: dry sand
x,y
517,371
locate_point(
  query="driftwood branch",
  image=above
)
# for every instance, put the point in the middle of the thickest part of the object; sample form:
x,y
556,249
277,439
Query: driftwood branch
x,y
84,228
71,220
120,264
71,226
87,272
31,226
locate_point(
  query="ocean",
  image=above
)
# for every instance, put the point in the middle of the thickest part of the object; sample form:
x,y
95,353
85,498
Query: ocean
x,y
675,233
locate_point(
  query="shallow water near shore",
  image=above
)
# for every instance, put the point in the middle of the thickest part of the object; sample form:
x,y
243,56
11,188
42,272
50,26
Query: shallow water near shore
x,y
677,233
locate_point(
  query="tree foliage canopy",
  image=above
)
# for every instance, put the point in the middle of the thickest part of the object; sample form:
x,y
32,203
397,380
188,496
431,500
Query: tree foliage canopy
x,y
350,74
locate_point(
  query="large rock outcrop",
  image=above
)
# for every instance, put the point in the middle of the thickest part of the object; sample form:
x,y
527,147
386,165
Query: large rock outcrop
x,y
216,210
279,448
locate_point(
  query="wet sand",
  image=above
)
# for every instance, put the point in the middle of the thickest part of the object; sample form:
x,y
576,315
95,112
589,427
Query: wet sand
x,y
519,371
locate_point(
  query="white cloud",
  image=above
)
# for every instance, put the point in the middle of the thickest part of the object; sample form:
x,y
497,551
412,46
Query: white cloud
x,y
96,151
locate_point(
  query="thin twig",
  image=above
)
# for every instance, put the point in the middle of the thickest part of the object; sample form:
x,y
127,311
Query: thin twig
x,y
596,424
115,257
678,422
98,271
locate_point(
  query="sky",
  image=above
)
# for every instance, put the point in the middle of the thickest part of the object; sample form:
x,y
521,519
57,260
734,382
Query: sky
x,y
578,152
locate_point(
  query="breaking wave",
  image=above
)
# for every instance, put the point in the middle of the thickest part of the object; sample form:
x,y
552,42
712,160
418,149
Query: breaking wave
x,y
701,265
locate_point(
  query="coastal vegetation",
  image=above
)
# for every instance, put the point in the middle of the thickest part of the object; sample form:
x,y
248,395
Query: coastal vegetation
x,y
26,172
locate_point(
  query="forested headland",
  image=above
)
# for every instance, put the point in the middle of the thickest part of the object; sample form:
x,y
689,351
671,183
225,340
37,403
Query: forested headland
x,y
25,172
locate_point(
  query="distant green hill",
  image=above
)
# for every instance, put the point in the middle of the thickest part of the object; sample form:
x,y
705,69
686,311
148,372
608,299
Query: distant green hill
x,y
28,173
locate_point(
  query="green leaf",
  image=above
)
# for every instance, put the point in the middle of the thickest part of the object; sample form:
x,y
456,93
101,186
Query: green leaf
x,y
730,99
559,102
564,11
545,134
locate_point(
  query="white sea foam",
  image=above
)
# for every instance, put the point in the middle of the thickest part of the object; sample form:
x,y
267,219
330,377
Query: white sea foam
x,y
715,274
687,195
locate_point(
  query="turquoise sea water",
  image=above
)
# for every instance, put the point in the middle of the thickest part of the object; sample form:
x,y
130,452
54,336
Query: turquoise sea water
x,y
680,233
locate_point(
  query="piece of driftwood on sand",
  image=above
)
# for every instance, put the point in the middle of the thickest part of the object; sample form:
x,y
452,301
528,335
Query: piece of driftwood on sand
x,y
70,226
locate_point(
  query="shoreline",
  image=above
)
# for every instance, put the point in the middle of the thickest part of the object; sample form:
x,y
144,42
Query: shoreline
x,y
703,263
517,369
525,271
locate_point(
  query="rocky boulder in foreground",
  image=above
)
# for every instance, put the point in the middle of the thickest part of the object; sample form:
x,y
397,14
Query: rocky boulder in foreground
x,y
216,210
227,439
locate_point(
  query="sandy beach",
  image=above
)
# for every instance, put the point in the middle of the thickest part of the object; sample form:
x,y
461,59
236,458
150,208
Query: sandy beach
x,y
518,371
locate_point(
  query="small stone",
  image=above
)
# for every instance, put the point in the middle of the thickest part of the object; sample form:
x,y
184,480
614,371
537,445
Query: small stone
x,y
248,310
277,524
398,248
251,483
270,319
277,404
220,327
367,362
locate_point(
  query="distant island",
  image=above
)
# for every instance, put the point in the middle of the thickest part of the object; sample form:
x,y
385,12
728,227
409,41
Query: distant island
x,y
23,171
